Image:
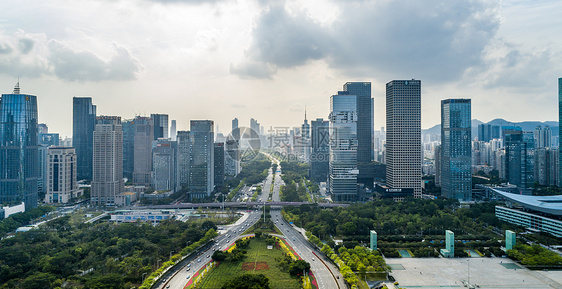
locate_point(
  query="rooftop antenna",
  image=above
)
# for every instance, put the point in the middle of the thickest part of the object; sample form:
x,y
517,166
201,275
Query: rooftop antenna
x,y
305,113
17,87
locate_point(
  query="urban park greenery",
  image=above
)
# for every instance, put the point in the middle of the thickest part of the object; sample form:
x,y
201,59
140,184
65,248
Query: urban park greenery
x,y
103,255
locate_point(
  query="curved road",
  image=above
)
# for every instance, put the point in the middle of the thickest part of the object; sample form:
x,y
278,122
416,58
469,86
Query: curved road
x,y
327,275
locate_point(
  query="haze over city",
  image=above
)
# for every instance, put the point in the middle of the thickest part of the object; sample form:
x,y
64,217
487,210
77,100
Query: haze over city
x,y
268,59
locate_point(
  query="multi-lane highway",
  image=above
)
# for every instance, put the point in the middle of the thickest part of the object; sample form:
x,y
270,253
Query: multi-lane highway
x,y
179,277
327,275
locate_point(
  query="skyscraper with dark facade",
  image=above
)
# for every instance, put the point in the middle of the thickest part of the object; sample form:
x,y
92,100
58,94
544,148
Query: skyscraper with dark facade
x,y
201,170
362,90
83,125
456,149
320,151
519,159
488,132
219,164
403,135
560,128
19,150
128,148
160,122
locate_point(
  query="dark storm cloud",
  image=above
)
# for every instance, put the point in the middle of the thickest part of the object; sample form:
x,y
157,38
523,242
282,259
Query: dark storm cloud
x,y
435,40
25,45
72,65
253,69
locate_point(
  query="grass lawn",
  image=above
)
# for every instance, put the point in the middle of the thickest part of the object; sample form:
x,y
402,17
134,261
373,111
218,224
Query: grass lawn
x,y
257,252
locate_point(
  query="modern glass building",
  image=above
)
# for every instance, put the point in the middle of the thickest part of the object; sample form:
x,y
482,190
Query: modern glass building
x,y
342,181
201,171
519,158
19,150
160,125
320,152
456,149
403,135
219,164
128,148
83,125
559,128
362,90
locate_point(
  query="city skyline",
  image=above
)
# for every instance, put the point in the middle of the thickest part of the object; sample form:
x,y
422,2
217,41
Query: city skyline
x,y
502,55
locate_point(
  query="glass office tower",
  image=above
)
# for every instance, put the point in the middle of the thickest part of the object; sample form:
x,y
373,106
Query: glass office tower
x,y
19,150
343,172
83,125
362,90
456,149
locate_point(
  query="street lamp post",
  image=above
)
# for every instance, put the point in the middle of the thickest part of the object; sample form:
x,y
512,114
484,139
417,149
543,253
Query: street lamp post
x,y
143,276
171,254
158,264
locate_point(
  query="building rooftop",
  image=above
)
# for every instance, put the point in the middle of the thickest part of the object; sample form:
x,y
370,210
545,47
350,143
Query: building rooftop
x,y
546,204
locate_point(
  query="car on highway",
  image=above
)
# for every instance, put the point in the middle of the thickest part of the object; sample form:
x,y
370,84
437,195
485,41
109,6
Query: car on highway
x,y
199,260
187,276
187,270
208,256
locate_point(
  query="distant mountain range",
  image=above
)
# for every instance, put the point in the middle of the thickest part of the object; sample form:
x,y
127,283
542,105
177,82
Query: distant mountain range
x,y
525,125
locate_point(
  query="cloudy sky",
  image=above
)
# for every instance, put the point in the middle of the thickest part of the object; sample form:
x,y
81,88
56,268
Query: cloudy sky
x,y
220,59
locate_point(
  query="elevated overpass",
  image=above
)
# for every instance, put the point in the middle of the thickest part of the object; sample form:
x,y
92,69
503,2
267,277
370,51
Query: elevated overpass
x,y
236,205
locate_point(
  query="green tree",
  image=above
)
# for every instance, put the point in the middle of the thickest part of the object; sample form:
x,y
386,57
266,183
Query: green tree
x,y
248,281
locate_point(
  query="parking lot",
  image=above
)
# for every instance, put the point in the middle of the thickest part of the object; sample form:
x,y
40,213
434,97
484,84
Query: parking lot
x,y
484,272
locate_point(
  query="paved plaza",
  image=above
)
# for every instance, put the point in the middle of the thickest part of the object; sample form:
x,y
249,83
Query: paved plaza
x,y
484,272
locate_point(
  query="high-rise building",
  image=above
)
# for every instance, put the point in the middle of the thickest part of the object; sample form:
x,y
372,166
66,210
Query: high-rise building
x,y
19,151
362,90
219,164
62,183
519,160
543,137
160,122
305,146
184,155
456,149
144,134
83,124
559,127
164,165
128,127
232,157
43,174
403,135
320,153
542,166
342,181
255,125
438,166
201,171
107,179
235,131
173,130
